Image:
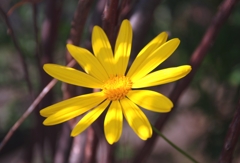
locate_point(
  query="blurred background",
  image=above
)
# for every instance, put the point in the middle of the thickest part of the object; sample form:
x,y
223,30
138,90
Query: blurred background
x,y
40,31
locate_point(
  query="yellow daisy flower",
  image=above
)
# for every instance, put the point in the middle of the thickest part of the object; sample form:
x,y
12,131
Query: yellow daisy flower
x,y
118,87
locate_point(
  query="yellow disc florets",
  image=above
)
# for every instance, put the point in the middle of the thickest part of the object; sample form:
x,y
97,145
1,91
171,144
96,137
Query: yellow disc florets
x,y
117,87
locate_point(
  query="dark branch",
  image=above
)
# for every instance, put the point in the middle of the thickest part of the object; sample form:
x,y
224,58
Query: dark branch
x,y
45,51
27,112
31,108
110,17
231,138
141,20
79,20
91,146
20,53
77,27
198,55
110,22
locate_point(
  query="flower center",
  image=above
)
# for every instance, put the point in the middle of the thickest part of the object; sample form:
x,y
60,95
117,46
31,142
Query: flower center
x,y
117,87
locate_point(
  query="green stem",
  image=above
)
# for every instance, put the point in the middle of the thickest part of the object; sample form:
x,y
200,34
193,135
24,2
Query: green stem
x,y
174,146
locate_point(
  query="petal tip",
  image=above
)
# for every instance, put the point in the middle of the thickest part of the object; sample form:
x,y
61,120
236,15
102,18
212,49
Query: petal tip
x,y
41,112
189,68
171,105
126,21
163,34
177,40
146,134
111,140
96,28
168,108
73,133
69,45
46,123
47,66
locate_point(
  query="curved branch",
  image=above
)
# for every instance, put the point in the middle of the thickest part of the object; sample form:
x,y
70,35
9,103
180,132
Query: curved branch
x,y
198,55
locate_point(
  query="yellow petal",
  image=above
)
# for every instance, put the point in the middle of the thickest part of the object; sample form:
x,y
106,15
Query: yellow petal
x,y
64,115
88,62
113,122
150,100
136,119
162,76
154,59
146,51
72,76
102,50
70,112
123,47
89,118
79,102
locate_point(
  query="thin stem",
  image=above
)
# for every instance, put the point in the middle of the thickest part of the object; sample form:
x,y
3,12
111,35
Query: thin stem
x,y
31,108
174,146
225,9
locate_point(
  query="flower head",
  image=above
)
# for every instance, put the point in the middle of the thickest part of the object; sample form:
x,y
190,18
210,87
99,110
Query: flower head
x,y
118,88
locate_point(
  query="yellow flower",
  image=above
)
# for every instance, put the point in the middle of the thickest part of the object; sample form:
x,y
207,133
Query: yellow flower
x,y
118,87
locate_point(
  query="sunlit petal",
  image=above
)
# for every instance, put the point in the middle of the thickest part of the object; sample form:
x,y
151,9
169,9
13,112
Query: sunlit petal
x,y
136,119
107,71
72,76
150,100
154,59
146,51
102,50
113,122
88,62
79,102
162,76
123,47
89,118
